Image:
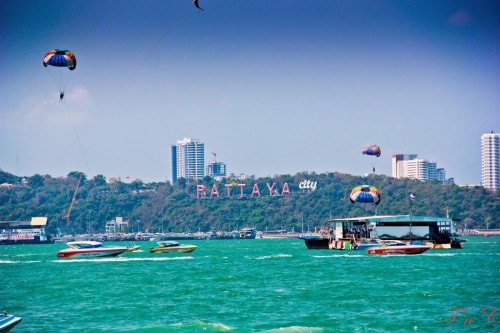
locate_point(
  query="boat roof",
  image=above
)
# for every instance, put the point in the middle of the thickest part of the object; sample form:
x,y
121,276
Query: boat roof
x,y
39,221
84,244
168,243
393,218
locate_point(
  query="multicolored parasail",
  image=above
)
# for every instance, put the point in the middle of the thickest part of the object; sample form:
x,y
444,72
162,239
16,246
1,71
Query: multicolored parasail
x,y
60,58
365,194
372,149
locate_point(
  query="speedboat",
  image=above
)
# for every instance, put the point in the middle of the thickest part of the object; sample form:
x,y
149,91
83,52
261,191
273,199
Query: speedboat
x,y
7,322
133,248
398,249
89,249
173,246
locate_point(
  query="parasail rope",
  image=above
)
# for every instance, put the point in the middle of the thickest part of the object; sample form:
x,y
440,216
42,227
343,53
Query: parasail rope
x,y
162,37
76,135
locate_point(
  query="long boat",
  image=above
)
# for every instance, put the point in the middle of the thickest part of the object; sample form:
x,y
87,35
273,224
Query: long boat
x,y
398,249
25,232
173,246
369,231
89,249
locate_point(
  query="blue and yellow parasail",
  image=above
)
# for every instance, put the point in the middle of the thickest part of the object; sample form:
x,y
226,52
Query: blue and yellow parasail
x,y
365,194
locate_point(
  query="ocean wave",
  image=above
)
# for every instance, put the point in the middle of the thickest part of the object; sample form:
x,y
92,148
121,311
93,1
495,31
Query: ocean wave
x,y
9,261
272,256
204,326
19,261
295,329
122,259
345,255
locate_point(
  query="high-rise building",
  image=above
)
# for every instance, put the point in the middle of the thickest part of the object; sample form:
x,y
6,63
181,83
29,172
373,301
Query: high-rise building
x,y
490,161
216,170
400,157
188,159
409,166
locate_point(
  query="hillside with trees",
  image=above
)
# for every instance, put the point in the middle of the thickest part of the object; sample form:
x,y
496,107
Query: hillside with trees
x,y
157,207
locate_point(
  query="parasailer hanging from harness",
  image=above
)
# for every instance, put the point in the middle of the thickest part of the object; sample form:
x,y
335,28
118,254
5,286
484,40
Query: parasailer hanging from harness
x,y
372,150
60,58
197,5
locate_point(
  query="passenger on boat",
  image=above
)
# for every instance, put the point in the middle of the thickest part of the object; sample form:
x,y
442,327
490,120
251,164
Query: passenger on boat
x,y
363,231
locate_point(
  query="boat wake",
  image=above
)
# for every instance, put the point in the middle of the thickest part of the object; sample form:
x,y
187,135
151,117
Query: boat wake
x,y
295,329
435,254
204,326
19,261
341,255
122,259
273,256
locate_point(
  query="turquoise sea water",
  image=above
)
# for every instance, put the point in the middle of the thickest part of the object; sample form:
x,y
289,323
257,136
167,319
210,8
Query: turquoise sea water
x,y
261,285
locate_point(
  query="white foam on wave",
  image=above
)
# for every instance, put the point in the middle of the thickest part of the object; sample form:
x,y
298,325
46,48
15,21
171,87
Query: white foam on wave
x,y
340,255
9,261
19,261
439,254
121,259
294,329
272,256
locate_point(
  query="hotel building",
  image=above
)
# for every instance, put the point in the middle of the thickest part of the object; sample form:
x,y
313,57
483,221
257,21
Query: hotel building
x,y
409,166
490,161
188,159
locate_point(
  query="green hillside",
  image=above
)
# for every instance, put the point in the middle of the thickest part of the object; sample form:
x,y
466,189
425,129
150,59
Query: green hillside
x,y
155,207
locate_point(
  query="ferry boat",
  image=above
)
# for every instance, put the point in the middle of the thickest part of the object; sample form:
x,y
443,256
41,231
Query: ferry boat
x,y
173,246
7,322
89,249
25,232
369,231
247,233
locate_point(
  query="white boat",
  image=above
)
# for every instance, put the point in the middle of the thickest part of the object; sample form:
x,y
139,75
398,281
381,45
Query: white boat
x,y
7,322
173,246
133,248
89,249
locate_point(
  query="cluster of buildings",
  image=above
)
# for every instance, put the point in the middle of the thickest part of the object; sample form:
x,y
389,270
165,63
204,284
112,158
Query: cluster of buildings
x,y
188,161
410,166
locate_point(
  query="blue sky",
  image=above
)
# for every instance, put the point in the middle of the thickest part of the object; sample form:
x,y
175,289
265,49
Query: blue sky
x,y
273,87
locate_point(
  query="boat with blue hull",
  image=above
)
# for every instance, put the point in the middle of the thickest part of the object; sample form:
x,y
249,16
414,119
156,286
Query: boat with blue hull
x,y
7,322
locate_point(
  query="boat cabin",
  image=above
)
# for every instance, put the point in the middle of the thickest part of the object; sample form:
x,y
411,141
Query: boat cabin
x,y
394,227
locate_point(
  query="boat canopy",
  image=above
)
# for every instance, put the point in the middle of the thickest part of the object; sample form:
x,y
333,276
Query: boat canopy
x,y
394,219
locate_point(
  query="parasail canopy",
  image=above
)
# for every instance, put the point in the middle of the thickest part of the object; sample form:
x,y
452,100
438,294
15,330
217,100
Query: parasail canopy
x,y
365,194
372,150
60,58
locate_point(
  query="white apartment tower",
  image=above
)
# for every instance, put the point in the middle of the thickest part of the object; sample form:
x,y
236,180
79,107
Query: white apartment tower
x,y
409,166
490,161
188,159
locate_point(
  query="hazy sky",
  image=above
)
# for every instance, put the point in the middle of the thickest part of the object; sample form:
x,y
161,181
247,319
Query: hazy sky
x,y
270,86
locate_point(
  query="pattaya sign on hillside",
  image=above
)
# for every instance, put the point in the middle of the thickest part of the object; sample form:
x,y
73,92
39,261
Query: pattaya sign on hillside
x,y
201,190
